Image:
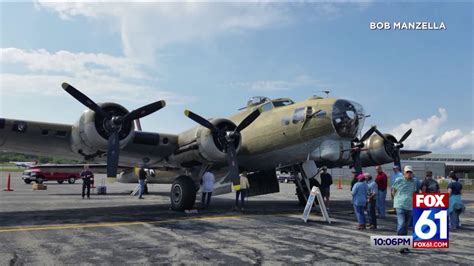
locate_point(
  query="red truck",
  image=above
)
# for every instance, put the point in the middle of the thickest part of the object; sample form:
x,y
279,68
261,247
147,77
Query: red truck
x,y
39,175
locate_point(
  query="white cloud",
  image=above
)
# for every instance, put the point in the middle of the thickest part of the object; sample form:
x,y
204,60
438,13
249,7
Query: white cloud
x,y
101,76
66,62
427,134
278,85
147,27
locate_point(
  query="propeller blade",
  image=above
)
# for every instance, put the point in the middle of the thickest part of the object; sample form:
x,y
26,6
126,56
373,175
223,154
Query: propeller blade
x,y
382,136
82,98
144,110
113,150
405,136
368,134
233,164
200,120
248,120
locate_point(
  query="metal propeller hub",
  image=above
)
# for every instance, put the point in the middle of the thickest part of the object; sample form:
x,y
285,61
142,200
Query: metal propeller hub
x,y
113,122
105,126
226,136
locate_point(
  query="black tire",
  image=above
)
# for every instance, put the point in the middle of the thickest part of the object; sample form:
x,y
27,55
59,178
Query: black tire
x,y
60,181
71,180
40,179
183,193
27,181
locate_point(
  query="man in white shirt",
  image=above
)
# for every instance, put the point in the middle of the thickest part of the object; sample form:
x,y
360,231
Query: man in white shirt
x,y
208,180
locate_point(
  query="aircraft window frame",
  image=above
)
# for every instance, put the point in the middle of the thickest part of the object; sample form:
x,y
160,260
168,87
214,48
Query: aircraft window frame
x,y
266,107
299,115
282,103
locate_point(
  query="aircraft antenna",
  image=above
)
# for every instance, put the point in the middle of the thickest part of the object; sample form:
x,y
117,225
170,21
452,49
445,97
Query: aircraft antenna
x,y
327,93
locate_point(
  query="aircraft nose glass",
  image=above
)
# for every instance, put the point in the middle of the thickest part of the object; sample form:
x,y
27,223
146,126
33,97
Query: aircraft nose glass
x,y
347,118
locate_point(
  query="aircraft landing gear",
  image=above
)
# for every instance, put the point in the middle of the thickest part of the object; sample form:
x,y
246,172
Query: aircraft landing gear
x,y
304,183
183,193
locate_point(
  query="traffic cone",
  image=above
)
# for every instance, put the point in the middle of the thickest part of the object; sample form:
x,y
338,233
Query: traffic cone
x,y
339,184
8,184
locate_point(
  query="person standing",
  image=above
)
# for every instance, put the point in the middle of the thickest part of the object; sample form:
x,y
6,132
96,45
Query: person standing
x,y
242,192
354,178
359,199
396,174
353,182
455,203
208,180
142,175
381,180
429,185
87,179
326,182
403,200
371,201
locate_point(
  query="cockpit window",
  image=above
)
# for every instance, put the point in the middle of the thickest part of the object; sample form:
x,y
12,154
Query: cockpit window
x,y
348,118
280,103
266,107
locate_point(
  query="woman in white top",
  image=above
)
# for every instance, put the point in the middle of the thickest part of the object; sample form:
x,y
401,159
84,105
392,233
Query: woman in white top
x,y
207,188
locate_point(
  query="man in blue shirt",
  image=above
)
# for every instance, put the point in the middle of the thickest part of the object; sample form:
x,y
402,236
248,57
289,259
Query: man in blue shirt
x,y
396,174
359,199
403,189
371,200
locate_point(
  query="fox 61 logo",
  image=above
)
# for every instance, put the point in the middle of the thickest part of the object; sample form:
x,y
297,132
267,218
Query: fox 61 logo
x,y
430,220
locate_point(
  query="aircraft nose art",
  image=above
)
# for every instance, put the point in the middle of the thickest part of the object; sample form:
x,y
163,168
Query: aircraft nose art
x,y
348,118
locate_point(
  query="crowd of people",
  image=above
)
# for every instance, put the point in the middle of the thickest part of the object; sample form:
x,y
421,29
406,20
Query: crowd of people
x,y
368,194
371,194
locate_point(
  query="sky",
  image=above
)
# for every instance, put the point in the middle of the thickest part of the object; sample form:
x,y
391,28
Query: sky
x,y
211,57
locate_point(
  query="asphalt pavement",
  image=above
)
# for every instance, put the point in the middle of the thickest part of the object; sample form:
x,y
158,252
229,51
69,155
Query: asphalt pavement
x,y
57,227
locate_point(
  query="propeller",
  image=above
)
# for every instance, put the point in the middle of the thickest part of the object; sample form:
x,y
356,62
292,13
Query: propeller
x,y
357,146
227,139
113,124
396,146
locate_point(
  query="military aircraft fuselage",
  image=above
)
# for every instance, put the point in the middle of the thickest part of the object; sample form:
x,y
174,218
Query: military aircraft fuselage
x,y
285,133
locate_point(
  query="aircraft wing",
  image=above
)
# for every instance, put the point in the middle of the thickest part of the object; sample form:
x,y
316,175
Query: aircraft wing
x,y
51,139
37,138
405,154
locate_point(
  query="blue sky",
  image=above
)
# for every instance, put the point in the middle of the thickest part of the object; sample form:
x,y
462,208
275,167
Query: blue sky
x,y
211,58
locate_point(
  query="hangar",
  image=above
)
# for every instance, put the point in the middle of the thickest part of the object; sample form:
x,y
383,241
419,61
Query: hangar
x,y
440,164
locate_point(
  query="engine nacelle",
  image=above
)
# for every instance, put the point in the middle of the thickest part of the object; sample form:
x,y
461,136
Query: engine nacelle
x,y
200,145
89,135
378,151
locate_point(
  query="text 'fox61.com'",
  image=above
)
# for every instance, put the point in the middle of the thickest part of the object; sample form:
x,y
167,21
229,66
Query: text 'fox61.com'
x,y
430,220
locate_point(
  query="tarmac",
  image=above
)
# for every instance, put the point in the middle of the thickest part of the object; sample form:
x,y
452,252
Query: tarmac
x,y
57,227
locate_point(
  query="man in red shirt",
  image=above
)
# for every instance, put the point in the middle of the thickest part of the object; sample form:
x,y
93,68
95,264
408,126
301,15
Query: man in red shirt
x,y
381,181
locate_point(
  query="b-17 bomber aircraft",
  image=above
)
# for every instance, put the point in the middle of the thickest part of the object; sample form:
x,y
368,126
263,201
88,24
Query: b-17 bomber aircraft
x,y
265,135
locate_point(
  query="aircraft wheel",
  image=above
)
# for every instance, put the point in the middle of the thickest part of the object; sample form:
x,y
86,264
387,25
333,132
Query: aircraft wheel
x,y
71,180
60,181
183,193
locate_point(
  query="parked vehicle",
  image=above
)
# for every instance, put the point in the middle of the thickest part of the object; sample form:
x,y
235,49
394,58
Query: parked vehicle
x,y
49,174
285,177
